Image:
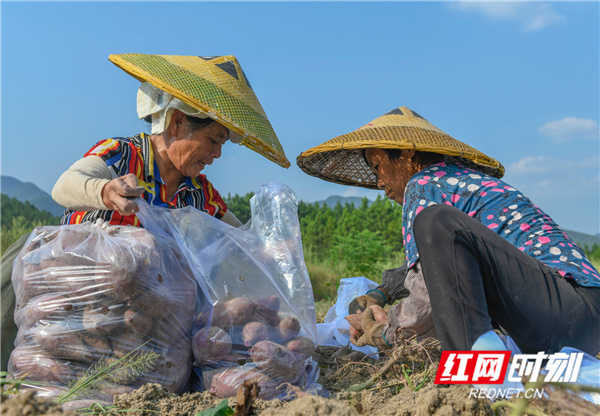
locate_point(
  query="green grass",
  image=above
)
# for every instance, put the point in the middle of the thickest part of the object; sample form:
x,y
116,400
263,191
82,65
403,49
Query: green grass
x,y
325,275
595,262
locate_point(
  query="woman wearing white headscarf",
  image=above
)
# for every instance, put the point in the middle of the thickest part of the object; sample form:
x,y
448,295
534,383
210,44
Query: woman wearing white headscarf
x,y
163,167
195,104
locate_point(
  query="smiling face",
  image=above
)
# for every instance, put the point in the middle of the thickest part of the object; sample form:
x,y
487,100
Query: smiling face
x,y
191,151
392,175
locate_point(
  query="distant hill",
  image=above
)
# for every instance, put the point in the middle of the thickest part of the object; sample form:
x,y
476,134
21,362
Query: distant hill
x,y
583,240
333,200
26,191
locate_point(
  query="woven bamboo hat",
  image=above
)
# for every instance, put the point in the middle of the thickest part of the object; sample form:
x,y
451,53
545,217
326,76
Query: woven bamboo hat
x,y
341,160
215,85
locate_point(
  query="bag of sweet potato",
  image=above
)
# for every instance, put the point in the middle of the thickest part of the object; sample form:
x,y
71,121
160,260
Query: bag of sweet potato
x,y
256,318
99,299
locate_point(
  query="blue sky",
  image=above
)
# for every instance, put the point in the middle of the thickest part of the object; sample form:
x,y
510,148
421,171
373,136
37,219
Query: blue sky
x,y
518,81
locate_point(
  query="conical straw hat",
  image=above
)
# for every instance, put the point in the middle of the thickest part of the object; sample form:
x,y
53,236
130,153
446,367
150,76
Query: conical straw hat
x,y
215,85
341,160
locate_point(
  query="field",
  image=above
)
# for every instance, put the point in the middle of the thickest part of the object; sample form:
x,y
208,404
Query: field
x,y
398,384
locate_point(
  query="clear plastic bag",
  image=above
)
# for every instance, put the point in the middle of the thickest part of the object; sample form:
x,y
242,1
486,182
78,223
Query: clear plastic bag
x,y
89,295
257,317
335,330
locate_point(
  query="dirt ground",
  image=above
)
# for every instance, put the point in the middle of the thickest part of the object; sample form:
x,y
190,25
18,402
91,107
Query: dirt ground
x,y
406,389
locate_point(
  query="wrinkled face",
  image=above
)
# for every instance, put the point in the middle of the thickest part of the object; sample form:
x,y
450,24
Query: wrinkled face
x,y
392,176
190,154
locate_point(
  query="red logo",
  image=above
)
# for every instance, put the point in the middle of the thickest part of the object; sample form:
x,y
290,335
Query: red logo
x,y
472,367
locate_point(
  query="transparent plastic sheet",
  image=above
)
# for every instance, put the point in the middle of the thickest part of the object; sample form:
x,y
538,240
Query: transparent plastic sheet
x,y
257,317
335,330
89,294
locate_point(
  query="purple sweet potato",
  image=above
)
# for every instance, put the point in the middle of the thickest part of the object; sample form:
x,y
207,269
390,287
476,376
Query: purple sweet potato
x,y
233,312
48,307
254,332
211,344
61,342
355,333
101,321
225,383
79,404
70,237
379,314
287,329
272,303
126,342
37,367
267,315
152,301
174,370
257,317
69,273
137,322
67,263
31,284
301,345
118,284
355,321
276,361
111,389
99,345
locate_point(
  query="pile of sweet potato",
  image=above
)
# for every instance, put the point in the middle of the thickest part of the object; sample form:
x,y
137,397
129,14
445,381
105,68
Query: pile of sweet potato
x,y
251,339
87,294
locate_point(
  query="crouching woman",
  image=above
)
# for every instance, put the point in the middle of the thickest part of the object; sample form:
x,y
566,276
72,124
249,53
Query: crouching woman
x,y
479,254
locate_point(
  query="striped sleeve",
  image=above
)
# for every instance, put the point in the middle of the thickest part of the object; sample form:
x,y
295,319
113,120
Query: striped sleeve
x,y
120,155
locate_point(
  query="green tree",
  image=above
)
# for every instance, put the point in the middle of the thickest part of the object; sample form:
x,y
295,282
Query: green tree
x,y
240,205
361,252
18,218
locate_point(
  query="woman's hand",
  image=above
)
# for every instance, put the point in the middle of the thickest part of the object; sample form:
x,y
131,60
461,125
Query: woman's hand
x,y
370,329
118,194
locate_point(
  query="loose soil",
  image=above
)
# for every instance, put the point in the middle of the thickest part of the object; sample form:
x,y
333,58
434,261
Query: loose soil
x,y
406,389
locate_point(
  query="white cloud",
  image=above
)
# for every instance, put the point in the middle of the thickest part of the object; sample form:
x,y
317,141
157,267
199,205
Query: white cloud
x,y
531,164
590,162
570,128
533,16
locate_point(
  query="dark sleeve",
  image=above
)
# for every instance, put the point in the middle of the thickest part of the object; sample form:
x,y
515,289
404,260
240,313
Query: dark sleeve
x,y
8,328
393,283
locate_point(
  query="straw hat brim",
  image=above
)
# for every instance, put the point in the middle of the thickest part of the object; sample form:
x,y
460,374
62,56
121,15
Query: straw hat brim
x,y
234,106
340,160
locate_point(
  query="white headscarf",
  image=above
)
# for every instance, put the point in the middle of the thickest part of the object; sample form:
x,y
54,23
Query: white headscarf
x,y
159,104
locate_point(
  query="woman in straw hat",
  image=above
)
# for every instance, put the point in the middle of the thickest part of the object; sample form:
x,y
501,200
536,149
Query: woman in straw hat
x,y
194,104
479,254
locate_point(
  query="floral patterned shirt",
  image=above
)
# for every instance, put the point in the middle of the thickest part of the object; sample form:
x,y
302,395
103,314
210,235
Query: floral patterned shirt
x,y
502,209
125,155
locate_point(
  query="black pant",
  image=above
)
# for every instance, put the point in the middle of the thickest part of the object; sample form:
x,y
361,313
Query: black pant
x,y
477,281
